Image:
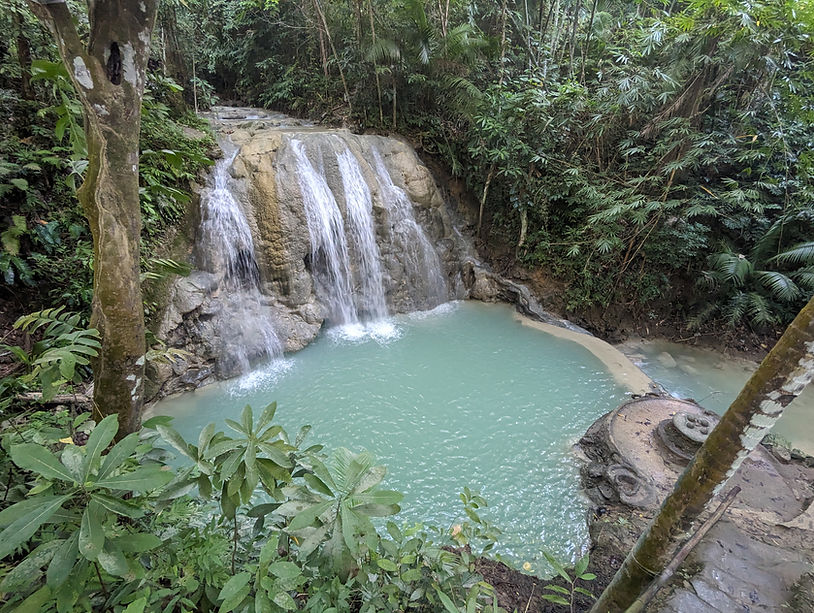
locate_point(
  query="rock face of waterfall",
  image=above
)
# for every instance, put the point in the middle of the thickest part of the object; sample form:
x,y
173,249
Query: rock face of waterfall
x,y
303,227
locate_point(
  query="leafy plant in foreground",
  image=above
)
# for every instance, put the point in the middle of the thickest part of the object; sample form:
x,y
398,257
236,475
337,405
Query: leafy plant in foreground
x,y
80,494
565,595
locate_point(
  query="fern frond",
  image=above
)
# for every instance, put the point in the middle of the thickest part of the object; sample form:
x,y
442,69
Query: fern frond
x,y
55,320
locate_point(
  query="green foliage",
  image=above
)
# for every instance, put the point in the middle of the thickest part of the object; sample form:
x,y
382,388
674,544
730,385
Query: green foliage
x,y
621,147
88,525
60,356
566,595
77,504
46,243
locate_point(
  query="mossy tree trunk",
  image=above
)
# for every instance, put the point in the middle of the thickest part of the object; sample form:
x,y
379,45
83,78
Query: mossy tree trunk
x,y
781,377
108,71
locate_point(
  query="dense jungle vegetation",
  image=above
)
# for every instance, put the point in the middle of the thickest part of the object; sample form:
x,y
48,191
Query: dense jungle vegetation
x,y
654,155
651,154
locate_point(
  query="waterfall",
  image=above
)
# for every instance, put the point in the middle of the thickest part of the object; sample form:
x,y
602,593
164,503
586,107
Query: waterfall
x,y
330,261
227,249
417,253
359,205
346,246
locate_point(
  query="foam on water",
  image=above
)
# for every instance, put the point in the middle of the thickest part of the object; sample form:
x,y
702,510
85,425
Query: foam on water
x,y
381,331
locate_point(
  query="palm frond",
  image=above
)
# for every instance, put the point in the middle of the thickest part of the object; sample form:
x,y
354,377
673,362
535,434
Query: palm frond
x,y
384,51
781,287
803,253
760,311
735,268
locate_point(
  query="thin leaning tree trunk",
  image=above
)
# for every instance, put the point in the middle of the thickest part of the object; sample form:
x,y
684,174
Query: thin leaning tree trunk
x,y
781,377
109,74
375,66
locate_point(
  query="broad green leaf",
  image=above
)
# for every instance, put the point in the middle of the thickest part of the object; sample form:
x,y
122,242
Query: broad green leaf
x,y
266,416
38,459
285,601
137,606
113,561
581,565
379,497
91,531
262,604
142,479
352,527
370,479
220,448
557,566
117,505
175,439
387,565
236,427
178,488
73,459
411,575
587,576
36,602
584,592
234,592
285,570
275,452
556,599
27,572
99,439
247,419
377,510
446,601
20,530
318,485
120,452
557,588
138,542
63,562
394,531
261,510
308,516
22,508
205,436
270,471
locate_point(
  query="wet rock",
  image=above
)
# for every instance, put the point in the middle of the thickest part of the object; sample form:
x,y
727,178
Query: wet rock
x,y
781,453
797,455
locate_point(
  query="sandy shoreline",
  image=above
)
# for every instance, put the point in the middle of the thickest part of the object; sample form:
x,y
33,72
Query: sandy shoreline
x,y
624,371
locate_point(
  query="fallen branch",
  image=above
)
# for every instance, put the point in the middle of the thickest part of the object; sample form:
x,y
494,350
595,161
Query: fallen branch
x,y
641,602
58,399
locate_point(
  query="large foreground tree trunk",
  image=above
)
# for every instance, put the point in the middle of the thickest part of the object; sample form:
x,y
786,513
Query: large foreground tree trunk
x,y
781,377
109,75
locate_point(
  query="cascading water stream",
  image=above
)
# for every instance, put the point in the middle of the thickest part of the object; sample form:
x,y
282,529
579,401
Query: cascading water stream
x,y
329,247
247,329
346,259
419,256
359,205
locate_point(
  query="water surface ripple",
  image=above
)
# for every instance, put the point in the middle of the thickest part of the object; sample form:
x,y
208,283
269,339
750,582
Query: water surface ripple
x,y
463,395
